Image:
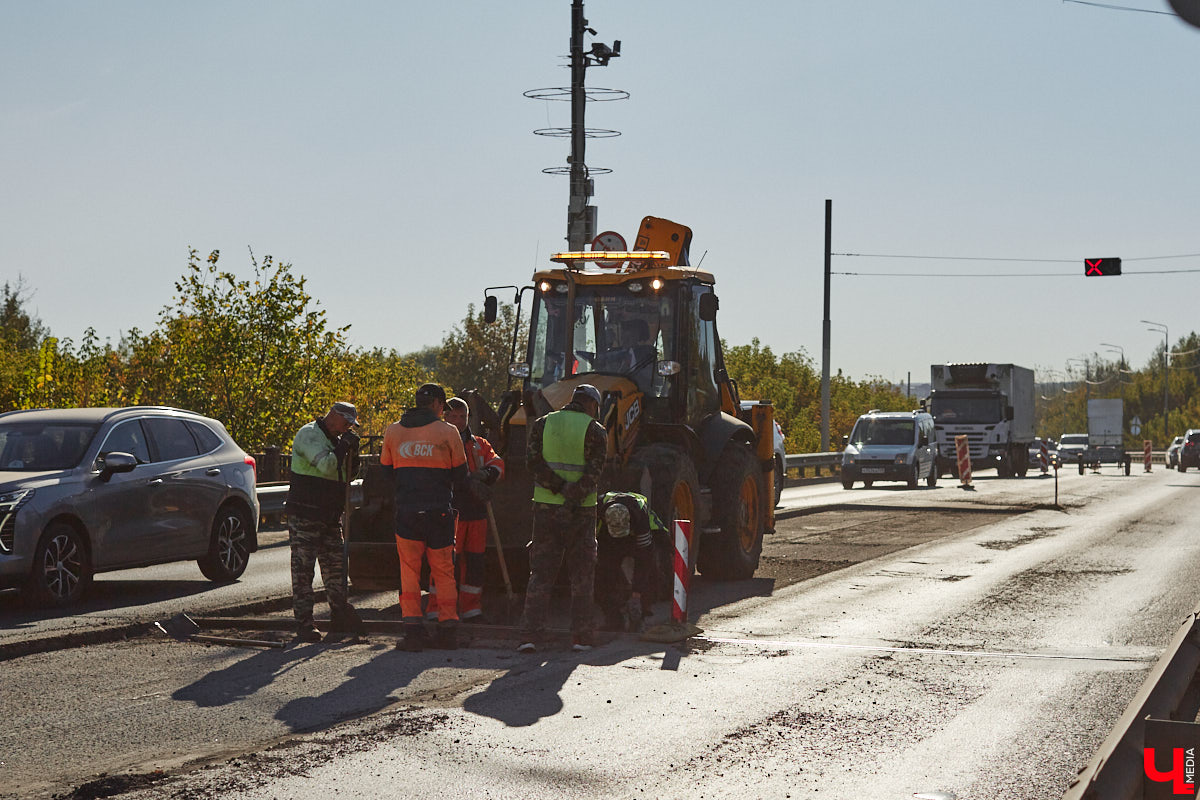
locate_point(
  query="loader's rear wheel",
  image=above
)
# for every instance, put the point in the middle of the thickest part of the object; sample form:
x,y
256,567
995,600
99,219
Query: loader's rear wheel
x,y
739,508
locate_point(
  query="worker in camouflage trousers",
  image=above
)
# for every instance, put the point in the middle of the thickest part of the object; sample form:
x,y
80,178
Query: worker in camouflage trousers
x,y
321,456
484,468
565,454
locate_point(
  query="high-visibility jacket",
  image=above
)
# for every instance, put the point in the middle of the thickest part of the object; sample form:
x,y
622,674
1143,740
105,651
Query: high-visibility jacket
x,y
643,522
427,460
317,489
563,451
480,455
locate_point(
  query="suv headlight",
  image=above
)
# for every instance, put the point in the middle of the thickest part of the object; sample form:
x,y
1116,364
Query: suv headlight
x,y
11,501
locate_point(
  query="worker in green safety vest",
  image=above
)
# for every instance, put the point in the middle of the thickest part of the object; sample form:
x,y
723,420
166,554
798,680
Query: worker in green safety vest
x,y
565,455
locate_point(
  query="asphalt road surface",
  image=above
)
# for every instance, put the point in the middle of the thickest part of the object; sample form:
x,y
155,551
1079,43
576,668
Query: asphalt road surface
x,y
897,642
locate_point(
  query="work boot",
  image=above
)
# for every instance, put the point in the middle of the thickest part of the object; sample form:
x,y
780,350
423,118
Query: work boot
x,y
447,636
306,634
414,638
346,620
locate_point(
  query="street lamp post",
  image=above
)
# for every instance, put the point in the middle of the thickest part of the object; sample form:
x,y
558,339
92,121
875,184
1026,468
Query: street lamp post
x,y
1120,367
1166,376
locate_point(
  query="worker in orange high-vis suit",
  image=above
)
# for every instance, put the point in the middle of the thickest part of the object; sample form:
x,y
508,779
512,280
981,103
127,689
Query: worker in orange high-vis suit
x,y
428,464
484,468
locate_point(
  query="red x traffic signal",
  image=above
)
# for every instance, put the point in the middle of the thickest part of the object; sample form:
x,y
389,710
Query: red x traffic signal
x,y
1101,266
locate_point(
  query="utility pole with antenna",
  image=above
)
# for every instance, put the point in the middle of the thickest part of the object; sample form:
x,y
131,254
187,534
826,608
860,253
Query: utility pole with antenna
x,y
581,216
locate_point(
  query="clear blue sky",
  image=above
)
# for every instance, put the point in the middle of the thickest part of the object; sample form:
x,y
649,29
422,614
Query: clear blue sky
x,y
385,150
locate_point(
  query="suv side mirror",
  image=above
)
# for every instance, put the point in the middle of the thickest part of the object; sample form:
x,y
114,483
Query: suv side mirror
x,y
845,441
116,462
708,306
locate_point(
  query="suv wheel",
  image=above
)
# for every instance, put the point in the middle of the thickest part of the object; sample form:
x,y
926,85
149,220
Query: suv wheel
x,y
62,569
229,548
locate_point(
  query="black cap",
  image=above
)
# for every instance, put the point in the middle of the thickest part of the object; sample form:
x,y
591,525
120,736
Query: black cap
x,y
431,391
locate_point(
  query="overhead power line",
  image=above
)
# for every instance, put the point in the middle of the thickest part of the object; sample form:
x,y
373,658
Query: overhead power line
x,y
1006,274
1121,8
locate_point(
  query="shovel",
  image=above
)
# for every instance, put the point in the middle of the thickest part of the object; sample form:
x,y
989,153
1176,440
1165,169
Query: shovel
x,y
512,598
183,628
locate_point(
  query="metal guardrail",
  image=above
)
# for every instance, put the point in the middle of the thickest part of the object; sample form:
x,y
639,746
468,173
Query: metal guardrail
x,y
814,461
271,496
1158,717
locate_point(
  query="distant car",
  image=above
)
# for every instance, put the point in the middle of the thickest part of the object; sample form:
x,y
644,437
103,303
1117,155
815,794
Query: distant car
x,y
89,490
1071,446
780,453
1189,454
1173,452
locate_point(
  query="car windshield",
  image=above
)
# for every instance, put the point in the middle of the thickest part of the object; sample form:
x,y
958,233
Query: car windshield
x,y
43,446
1073,438
616,331
883,431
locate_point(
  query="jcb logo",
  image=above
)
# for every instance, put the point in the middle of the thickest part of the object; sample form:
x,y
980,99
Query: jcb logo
x,y
1182,775
415,450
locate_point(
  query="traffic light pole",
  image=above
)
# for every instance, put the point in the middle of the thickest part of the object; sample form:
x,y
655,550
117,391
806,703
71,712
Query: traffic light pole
x,y
825,330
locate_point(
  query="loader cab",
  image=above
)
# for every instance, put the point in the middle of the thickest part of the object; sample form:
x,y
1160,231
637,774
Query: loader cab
x,y
652,326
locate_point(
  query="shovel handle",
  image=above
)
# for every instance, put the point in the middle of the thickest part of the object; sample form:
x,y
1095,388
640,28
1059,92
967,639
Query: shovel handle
x,y
202,637
499,549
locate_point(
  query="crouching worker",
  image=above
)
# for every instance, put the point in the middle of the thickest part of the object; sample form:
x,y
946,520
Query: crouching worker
x,y
626,566
470,534
427,461
321,455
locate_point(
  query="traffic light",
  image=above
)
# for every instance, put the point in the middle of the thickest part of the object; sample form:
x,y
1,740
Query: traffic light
x,y
1101,266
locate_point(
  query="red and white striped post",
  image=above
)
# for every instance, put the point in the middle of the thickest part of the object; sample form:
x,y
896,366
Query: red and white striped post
x,y
683,544
1147,446
963,451
1044,457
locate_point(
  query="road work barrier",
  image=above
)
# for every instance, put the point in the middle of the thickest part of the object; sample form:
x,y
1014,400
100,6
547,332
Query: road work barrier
x,y
683,544
963,452
1044,457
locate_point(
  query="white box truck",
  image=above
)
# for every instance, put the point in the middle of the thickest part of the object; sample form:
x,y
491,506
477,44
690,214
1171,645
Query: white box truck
x,y
1106,434
992,405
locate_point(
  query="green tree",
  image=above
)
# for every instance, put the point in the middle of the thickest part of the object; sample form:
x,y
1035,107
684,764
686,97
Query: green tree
x,y
22,359
476,355
793,385
251,352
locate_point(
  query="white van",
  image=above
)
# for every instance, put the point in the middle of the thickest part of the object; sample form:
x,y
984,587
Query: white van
x,y
890,446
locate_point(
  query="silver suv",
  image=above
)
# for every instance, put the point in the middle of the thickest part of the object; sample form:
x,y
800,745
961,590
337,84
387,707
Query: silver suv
x,y
89,490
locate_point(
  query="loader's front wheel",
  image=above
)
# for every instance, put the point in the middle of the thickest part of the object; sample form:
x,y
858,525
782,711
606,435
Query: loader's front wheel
x,y
674,493
740,509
